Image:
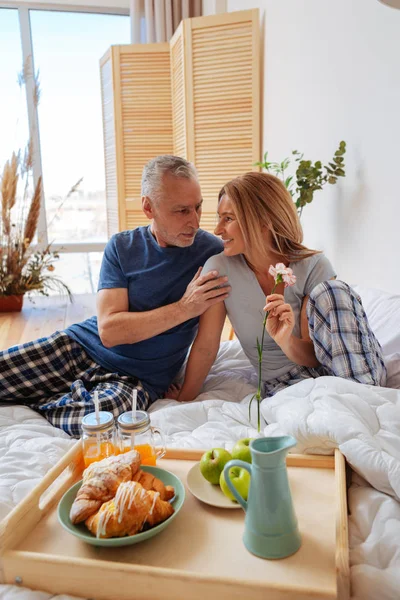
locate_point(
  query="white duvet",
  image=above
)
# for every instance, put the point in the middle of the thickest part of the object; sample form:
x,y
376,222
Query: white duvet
x,y
322,414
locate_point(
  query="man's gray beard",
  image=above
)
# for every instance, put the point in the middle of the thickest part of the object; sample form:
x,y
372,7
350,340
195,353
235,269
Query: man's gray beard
x,y
179,242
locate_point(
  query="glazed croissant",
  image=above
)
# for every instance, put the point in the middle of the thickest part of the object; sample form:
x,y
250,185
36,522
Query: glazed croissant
x,y
126,514
100,483
149,482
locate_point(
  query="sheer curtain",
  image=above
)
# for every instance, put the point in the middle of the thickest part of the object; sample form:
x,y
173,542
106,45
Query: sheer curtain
x,y
156,20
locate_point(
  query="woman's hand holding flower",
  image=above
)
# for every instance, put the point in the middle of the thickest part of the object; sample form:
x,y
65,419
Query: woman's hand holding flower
x,y
280,321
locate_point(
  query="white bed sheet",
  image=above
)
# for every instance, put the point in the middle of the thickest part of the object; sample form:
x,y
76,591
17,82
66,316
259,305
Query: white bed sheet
x,y
364,422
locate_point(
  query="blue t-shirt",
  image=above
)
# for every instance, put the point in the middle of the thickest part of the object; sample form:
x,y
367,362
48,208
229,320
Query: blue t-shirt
x,y
154,277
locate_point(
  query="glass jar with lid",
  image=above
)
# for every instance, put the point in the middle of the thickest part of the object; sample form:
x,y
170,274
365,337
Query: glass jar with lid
x,y
135,432
98,437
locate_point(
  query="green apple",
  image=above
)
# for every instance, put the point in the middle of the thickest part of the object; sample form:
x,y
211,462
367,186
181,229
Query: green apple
x,y
212,464
241,481
241,450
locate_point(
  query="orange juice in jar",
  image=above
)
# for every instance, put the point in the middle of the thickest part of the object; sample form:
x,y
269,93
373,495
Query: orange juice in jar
x,y
98,437
136,433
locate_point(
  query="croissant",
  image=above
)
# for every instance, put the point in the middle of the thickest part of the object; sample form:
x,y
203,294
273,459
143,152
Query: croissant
x,y
160,510
100,483
127,513
149,482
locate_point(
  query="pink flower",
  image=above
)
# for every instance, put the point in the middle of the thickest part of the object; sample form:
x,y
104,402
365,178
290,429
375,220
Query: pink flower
x,y
289,278
279,269
282,274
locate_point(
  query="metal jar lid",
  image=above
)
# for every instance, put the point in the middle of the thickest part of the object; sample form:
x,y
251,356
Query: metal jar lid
x,y
134,422
90,422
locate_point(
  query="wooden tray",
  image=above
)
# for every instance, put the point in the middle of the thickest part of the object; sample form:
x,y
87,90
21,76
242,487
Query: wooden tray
x,y
199,555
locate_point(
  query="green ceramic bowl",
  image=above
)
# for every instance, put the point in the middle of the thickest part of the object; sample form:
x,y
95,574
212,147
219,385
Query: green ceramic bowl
x,y
84,534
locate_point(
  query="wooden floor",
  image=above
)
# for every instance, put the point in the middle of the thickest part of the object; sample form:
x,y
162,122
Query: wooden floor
x,y
47,315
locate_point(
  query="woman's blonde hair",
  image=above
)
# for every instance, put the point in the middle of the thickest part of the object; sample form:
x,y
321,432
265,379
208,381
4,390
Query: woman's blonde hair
x,y
261,201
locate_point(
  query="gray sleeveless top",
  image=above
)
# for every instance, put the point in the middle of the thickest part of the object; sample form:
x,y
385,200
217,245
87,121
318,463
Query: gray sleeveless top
x,y
245,305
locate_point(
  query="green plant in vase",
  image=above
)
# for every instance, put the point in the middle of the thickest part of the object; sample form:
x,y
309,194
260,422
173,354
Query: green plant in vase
x,y
24,268
309,177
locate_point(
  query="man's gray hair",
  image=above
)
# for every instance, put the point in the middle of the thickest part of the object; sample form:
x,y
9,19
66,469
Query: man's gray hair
x,y
159,166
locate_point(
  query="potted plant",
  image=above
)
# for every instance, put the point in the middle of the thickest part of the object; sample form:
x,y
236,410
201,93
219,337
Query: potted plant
x,y
22,269
309,177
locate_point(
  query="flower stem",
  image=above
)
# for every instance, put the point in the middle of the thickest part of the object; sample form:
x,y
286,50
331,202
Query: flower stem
x,y
260,353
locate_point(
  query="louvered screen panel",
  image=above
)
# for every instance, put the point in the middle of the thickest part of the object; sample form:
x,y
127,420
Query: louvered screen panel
x,y
197,97
178,92
107,98
135,218
146,114
209,218
226,103
112,221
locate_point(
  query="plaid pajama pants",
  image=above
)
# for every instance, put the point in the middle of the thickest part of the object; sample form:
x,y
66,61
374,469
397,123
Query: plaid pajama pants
x,y
57,378
344,343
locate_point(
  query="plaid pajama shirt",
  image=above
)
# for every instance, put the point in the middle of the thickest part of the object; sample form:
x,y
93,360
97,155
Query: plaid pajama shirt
x,y
57,378
344,343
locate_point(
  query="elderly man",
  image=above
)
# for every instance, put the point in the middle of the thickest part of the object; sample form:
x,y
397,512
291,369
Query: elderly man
x,y
150,295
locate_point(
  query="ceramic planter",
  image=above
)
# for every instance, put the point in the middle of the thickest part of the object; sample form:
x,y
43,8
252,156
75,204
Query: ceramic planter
x,y
11,303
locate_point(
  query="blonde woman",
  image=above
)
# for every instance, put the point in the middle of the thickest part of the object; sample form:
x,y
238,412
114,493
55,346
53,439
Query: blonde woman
x,y
315,327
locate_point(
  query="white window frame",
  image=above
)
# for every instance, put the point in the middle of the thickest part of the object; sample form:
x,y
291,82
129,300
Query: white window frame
x,y
33,120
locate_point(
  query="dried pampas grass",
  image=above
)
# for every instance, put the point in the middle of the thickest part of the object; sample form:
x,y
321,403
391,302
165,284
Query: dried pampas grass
x,y
23,270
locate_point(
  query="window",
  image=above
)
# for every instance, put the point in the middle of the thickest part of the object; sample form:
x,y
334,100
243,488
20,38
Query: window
x,y
67,47
13,111
79,271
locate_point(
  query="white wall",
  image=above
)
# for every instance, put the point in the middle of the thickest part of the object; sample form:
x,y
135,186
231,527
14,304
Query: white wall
x,y
213,7
332,72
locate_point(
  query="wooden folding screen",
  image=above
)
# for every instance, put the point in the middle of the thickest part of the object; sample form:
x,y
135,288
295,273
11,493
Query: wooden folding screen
x,y
137,124
221,91
209,114
179,93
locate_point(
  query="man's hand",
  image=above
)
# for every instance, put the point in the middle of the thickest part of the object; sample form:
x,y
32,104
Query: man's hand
x,y
119,326
202,292
173,391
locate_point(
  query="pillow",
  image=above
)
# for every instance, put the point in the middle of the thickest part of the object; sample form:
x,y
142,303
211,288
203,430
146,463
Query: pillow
x,y
392,363
383,312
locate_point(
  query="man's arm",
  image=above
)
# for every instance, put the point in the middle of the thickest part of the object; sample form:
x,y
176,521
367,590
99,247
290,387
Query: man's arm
x,y
119,326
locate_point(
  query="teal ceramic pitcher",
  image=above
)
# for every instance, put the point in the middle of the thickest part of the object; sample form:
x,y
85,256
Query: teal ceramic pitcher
x,y
271,529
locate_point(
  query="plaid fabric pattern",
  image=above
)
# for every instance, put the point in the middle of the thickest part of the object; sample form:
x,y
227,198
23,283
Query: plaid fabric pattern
x,y
293,376
344,343
57,378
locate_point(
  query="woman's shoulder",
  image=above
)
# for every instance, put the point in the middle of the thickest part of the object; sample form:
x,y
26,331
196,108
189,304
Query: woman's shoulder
x,y
313,270
215,262
225,265
306,265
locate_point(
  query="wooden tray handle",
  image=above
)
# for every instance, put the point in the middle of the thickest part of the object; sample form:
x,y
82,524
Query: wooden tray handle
x,y
317,461
39,501
342,534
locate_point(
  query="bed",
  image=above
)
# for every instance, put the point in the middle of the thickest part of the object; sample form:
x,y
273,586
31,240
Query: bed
x,y
322,414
